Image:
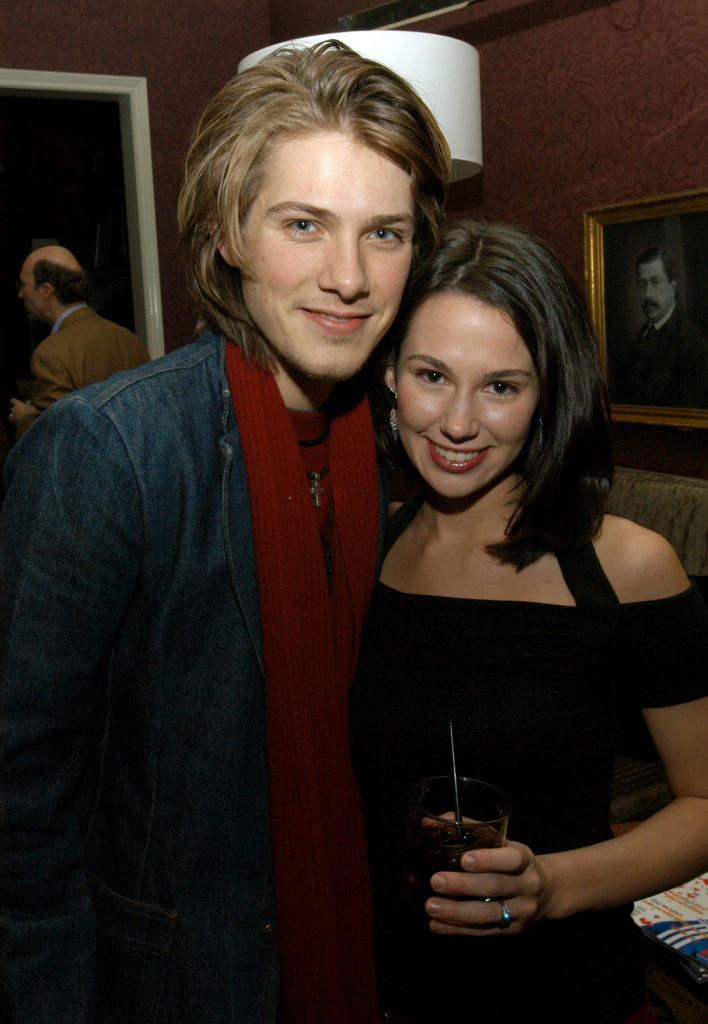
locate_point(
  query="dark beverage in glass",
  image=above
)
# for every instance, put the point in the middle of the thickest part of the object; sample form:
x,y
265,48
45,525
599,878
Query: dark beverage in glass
x,y
436,839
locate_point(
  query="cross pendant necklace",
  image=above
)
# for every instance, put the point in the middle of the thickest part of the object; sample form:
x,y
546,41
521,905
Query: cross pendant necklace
x,y
315,488
317,492
316,495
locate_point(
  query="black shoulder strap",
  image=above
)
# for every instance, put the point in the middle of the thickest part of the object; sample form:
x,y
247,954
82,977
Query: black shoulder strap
x,y
600,630
400,519
586,578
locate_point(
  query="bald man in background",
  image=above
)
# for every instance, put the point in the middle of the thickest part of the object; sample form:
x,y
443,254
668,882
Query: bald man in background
x,y
83,348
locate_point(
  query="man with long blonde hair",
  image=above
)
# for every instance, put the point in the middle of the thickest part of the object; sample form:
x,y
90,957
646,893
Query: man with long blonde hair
x,y
188,556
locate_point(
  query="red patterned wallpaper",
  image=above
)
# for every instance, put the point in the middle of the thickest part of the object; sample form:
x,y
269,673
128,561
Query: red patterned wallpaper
x,y
607,105
185,50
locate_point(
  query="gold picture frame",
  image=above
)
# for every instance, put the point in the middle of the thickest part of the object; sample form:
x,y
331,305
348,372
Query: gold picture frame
x,y
614,237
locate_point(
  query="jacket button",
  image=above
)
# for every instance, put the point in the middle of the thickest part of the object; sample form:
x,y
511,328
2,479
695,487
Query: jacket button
x,y
270,933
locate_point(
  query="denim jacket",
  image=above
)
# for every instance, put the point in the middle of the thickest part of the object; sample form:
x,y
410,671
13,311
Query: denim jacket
x,y
136,879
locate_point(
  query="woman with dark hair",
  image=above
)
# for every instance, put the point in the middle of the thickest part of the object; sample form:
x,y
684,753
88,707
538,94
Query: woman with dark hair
x,y
510,605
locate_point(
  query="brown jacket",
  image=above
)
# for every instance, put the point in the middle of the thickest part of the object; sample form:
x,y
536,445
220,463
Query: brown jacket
x,y
86,349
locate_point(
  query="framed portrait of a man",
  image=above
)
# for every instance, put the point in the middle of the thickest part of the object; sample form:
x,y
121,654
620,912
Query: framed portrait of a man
x,y
646,271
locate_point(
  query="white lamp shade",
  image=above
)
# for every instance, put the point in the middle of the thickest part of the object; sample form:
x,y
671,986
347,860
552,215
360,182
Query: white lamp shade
x,y
444,72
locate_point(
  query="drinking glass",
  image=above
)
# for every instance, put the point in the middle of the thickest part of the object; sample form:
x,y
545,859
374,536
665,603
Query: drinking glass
x,y
436,840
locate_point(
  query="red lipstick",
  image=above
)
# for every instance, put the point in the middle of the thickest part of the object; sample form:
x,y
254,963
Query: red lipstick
x,y
451,466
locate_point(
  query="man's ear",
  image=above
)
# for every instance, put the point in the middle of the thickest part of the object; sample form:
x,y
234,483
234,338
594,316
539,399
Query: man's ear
x,y
221,243
225,252
390,377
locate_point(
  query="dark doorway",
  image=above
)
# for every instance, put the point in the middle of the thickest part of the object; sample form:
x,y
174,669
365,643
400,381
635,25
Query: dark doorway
x,y
61,181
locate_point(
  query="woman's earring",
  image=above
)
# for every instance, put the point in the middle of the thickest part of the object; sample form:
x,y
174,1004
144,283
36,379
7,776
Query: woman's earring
x,y
393,416
539,433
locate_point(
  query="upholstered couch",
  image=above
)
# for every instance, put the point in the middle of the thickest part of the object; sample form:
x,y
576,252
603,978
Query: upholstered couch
x,y
674,506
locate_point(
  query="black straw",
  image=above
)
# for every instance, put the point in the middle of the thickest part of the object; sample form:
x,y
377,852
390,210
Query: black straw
x,y
458,815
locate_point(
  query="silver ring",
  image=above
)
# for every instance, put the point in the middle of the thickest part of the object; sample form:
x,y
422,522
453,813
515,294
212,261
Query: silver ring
x,y
506,916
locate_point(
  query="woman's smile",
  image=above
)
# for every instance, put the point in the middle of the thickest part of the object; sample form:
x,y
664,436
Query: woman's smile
x,y
453,461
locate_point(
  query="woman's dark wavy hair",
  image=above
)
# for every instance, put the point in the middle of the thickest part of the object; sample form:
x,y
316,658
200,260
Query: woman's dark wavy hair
x,y
566,464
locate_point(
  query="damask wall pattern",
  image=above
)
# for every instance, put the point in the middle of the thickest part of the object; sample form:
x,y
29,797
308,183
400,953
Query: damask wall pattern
x,y
605,106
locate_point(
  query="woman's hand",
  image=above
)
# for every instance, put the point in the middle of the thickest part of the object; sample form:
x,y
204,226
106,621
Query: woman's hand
x,y
642,861
510,873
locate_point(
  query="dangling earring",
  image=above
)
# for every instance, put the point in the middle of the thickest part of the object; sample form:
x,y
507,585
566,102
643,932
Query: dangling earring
x,y
393,416
539,434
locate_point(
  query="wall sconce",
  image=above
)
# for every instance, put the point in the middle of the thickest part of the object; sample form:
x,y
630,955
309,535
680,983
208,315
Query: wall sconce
x,y
444,71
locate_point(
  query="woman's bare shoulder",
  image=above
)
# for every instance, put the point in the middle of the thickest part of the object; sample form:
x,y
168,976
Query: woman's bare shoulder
x,y
640,564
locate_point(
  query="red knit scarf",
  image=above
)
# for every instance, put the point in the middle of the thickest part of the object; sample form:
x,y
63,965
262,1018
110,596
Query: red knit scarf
x,y
309,645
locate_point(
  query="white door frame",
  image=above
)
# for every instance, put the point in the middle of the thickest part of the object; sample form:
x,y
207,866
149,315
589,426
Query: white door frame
x,y
132,98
